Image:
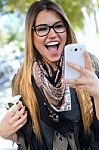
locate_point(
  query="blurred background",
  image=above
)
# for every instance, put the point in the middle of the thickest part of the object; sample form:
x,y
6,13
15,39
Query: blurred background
x,y
83,15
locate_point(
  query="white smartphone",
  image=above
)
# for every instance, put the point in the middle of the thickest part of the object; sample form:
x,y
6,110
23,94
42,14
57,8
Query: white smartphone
x,y
73,53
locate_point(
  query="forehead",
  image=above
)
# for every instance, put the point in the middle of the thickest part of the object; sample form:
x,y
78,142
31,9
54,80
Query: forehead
x,y
47,17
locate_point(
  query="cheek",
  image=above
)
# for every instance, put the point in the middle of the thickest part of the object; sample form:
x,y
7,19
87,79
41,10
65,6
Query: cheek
x,y
37,42
64,39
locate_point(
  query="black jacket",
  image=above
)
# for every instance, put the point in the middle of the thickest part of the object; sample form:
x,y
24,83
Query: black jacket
x,y
64,126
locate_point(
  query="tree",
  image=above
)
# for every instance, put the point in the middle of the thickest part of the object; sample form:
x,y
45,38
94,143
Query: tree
x,y
71,7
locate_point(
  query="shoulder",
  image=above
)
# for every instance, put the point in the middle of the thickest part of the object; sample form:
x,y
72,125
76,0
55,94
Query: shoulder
x,y
16,82
95,62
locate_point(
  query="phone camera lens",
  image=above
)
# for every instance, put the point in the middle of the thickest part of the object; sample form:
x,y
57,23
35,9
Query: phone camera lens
x,y
75,49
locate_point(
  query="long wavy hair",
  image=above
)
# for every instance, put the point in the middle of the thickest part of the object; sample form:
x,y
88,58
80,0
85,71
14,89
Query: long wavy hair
x,y
22,82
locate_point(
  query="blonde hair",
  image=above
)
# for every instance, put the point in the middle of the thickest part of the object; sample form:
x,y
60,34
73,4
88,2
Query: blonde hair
x,y
22,83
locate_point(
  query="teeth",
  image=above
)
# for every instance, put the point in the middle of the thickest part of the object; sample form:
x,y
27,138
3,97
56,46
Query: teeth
x,y
52,43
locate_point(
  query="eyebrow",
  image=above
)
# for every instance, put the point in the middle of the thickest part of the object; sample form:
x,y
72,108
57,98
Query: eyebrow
x,y
47,24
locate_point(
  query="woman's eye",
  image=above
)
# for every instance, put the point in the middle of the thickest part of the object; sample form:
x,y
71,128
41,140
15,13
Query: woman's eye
x,y
59,26
42,29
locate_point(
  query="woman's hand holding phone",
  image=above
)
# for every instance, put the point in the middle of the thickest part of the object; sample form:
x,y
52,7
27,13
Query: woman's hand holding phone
x,y
86,79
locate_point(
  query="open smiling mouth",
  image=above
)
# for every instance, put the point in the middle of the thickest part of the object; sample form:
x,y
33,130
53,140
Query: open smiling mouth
x,y
52,46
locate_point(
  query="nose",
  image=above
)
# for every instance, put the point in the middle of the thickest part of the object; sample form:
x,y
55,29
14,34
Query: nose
x,y
52,32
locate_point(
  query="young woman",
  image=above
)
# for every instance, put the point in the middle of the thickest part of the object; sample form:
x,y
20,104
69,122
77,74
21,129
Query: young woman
x,y
59,117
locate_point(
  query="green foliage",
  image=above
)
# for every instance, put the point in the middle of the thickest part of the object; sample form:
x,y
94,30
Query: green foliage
x,y
10,6
73,10
71,7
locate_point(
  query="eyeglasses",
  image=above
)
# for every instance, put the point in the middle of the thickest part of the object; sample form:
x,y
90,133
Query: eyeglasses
x,y
43,29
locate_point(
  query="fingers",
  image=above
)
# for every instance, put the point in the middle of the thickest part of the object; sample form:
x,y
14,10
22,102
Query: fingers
x,y
18,114
14,109
74,82
20,122
14,126
78,87
88,61
76,67
17,117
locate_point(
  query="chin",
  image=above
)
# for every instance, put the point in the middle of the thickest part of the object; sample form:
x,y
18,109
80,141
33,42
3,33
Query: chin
x,y
56,59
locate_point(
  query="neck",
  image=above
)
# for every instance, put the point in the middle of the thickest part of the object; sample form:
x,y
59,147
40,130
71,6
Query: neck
x,y
52,64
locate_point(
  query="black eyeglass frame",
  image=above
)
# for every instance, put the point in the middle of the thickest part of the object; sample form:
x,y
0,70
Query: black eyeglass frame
x,y
50,27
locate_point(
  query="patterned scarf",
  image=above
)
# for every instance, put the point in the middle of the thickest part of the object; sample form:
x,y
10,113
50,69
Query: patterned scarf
x,y
50,83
